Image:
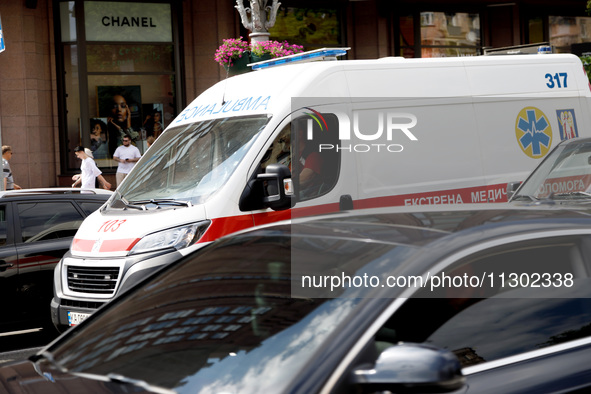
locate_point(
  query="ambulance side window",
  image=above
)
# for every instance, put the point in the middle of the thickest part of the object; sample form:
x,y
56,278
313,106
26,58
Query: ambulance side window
x,y
316,161
316,170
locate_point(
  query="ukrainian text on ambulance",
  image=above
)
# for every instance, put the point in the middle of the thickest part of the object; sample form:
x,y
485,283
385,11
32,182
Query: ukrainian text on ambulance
x,y
441,280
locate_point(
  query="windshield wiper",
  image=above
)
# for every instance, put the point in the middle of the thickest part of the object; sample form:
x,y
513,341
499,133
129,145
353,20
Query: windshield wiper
x,y
572,194
128,204
164,201
521,196
134,206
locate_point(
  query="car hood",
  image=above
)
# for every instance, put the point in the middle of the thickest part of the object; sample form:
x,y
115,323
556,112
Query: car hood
x,y
24,378
116,232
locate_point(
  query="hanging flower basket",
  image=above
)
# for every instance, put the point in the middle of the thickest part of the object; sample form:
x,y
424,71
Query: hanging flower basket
x,y
259,58
235,53
239,65
274,49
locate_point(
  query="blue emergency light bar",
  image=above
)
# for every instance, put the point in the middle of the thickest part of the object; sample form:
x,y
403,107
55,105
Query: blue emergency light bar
x,y
318,54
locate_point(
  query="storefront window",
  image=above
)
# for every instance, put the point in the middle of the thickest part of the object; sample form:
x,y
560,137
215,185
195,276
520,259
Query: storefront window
x,y
449,34
130,58
407,36
68,21
536,30
72,95
149,100
120,79
565,31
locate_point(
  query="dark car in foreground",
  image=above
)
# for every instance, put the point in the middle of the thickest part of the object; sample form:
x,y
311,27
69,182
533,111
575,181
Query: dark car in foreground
x,y
36,229
472,299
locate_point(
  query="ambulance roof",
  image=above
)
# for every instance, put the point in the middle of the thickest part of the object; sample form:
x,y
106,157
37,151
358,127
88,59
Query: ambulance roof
x,y
269,90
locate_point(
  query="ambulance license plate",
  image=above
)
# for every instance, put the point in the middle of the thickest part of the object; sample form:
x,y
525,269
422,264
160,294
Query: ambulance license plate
x,y
75,318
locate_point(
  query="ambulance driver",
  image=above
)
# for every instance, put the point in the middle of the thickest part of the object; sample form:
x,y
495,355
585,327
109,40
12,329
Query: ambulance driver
x,y
310,162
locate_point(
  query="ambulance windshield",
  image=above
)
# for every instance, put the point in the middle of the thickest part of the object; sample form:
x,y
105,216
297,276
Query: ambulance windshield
x,y
188,163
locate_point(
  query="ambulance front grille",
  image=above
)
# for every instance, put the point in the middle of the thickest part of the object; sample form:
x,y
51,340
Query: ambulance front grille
x,y
95,280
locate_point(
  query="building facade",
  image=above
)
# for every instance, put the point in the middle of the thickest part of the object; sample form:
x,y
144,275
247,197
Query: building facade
x,y
90,72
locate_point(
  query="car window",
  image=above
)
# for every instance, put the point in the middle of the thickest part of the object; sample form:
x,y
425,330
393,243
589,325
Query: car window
x,y
3,225
41,221
506,314
90,206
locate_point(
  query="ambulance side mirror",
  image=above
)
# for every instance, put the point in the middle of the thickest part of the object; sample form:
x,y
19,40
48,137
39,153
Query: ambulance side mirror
x,y
278,187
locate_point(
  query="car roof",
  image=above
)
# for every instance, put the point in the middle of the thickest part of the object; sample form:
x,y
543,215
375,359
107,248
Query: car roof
x,y
430,232
438,221
575,141
56,192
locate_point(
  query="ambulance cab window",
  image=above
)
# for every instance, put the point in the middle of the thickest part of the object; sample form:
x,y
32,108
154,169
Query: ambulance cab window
x,y
314,163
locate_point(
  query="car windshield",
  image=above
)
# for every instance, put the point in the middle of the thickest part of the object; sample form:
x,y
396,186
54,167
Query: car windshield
x,y
189,163
564,175
225,320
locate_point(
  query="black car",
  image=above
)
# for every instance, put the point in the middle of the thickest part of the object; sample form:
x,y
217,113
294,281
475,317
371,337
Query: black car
x,y
36,229
465,300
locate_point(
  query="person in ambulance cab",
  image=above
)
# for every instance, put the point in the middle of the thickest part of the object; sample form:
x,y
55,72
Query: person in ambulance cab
x,y
310,163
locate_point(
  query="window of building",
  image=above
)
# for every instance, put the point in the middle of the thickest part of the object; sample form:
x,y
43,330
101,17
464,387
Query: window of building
x,y
407,36
449,34
535,30
441,34
119,75
568,30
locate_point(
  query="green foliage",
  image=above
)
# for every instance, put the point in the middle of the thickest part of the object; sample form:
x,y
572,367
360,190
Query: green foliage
x,y
313,27
587,65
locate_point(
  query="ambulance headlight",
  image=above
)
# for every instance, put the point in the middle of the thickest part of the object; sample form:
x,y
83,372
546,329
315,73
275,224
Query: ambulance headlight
x,y
178,238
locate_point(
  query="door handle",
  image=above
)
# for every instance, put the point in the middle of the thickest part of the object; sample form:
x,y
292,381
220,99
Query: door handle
x,y
4,265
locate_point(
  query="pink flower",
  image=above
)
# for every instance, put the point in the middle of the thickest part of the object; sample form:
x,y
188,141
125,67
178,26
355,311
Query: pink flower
x,y
234,48
231,49
275,48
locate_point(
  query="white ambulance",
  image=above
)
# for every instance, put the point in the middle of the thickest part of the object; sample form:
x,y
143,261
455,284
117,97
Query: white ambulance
x,y
301,137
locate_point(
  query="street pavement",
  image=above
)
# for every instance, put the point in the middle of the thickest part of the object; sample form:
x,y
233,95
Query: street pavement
x,y
19,345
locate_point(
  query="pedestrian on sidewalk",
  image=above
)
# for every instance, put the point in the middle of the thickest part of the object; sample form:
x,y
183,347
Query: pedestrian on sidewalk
x,y
89,171
8,180
126,155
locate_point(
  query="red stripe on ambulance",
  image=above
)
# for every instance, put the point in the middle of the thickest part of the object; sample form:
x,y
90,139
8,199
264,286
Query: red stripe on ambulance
x,y
109,245
230,224
82,245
